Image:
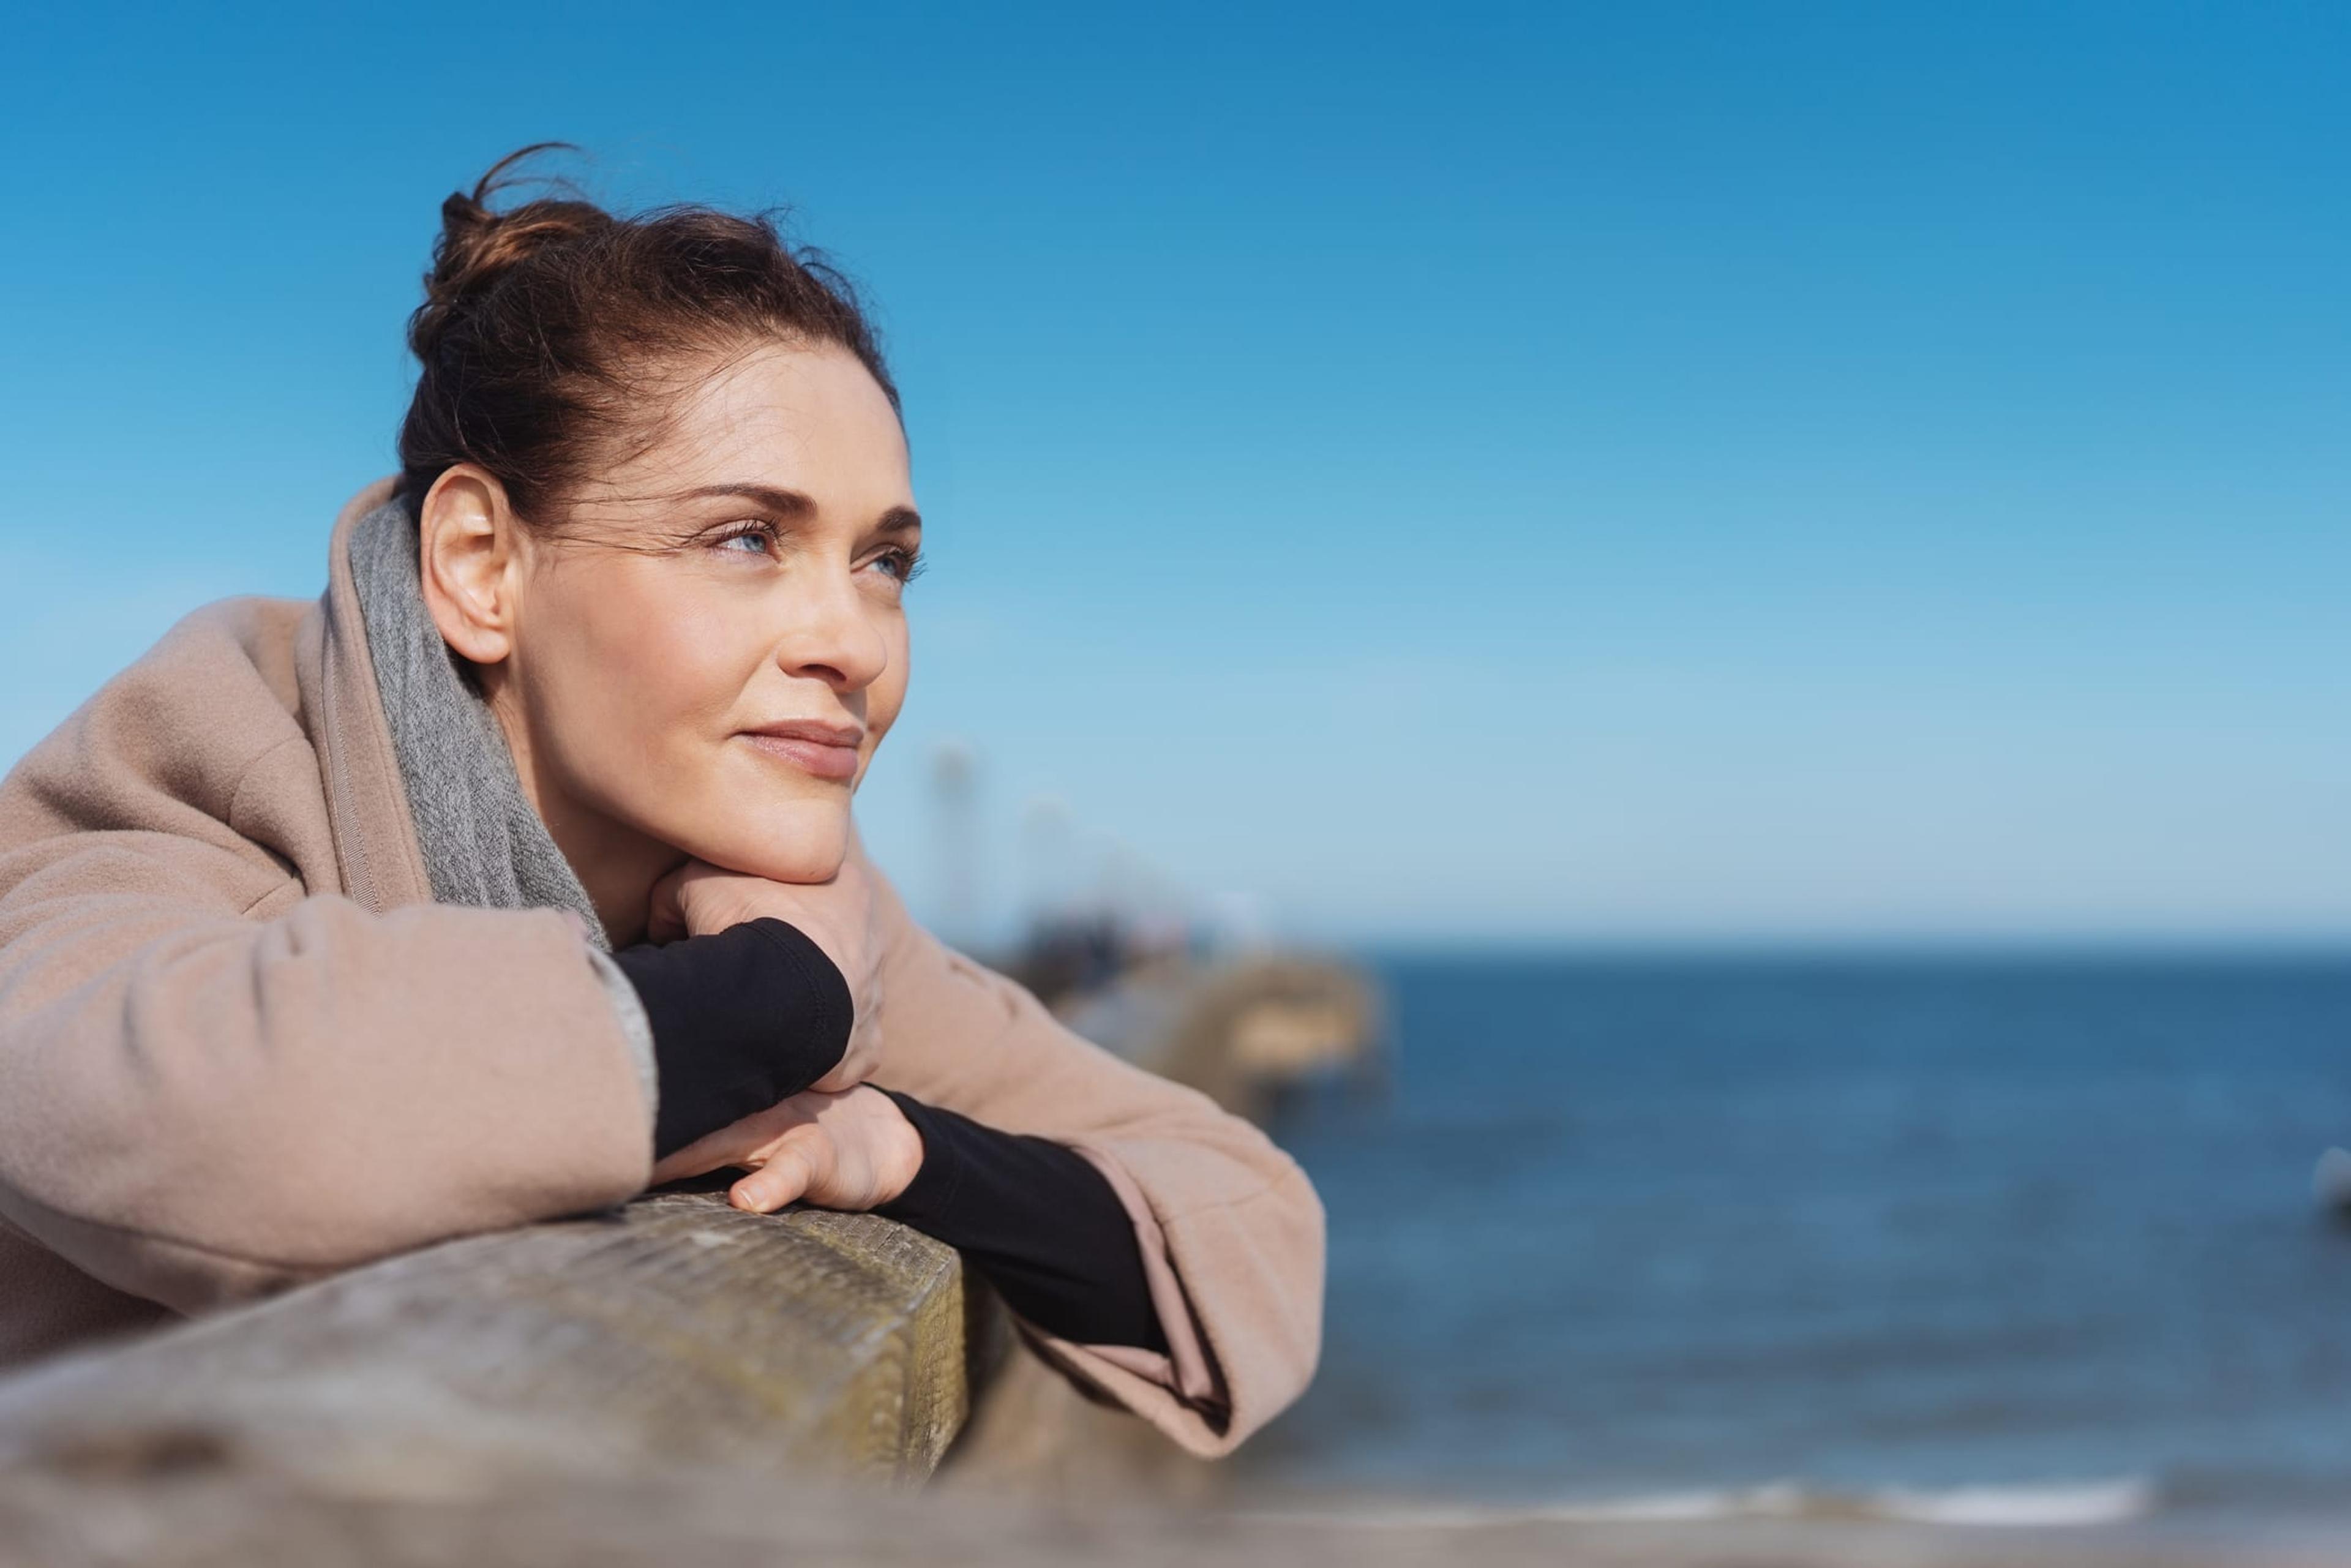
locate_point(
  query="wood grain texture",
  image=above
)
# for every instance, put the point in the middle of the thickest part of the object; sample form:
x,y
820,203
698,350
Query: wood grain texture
x,y
675,1328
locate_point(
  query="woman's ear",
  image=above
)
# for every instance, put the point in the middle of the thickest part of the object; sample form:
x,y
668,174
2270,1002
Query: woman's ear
x,y
468,543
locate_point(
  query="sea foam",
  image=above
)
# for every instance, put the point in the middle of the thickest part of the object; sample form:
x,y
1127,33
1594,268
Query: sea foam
x,y
2046,1505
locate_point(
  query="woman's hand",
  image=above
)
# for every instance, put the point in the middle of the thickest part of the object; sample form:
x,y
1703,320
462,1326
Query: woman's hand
x,y
697,899
848,1151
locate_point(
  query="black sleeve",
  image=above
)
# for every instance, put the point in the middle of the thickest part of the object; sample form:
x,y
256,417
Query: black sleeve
x,y
1037,1220
741,1018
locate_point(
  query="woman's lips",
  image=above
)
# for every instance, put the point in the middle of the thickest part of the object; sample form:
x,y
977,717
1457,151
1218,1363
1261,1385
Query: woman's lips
x,y
818,749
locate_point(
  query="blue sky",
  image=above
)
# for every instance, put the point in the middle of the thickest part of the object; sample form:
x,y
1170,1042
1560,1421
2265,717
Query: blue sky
x,y
1546,473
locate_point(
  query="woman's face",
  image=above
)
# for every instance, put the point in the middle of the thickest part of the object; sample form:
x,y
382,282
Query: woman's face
x,y
709,642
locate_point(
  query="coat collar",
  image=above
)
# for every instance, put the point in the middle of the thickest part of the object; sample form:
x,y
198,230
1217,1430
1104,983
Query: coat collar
x,y
376,847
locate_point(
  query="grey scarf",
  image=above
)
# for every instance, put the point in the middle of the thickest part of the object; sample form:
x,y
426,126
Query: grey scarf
x,y
483,845
483,842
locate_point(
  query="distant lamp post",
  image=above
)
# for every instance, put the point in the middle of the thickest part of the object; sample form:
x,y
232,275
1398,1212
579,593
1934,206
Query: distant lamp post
x,y
1048,850
955,798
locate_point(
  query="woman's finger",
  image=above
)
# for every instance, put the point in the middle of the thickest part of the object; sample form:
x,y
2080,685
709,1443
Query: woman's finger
x,y
729,1145
797,1161
736,1144
665,915
690,1161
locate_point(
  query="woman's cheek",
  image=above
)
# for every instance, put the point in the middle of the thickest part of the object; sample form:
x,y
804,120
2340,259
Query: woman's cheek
x,y
648,713
888,693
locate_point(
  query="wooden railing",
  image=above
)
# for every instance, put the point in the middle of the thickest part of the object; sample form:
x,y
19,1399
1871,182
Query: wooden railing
x,y
677,1326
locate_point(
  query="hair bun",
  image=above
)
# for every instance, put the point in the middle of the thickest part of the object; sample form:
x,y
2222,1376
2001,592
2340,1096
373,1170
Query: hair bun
x,y
477,245
551,331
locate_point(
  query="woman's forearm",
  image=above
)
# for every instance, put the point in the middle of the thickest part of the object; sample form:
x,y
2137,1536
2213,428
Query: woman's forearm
x,y
1037,1220
741,1018
748,1017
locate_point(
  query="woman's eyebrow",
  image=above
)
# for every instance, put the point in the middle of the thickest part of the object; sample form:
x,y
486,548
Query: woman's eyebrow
x,y
792,504
788,503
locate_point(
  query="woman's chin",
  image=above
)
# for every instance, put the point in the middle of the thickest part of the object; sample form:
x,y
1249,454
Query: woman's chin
x,y
809,847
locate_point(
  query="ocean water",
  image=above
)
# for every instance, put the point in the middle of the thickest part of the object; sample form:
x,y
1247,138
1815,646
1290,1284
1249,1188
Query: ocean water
x,y
1942,1239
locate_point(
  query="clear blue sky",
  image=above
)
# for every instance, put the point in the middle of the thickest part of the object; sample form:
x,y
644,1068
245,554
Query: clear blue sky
x,y
1546,472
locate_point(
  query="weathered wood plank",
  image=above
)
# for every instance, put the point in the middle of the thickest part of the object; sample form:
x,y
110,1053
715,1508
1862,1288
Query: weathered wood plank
x,y
676,1327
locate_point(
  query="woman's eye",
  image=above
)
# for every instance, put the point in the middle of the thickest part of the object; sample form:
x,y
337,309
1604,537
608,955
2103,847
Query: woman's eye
x,y
900,564
750,541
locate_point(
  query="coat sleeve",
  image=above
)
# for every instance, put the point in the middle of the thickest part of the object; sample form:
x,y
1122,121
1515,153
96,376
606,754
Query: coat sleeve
x,y
1231,1230
214,1083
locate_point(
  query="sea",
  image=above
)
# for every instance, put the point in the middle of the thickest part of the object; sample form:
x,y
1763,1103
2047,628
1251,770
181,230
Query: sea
x,y
1991,1239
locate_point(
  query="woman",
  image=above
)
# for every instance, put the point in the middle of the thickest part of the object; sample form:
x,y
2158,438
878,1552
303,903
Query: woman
x,y
518,873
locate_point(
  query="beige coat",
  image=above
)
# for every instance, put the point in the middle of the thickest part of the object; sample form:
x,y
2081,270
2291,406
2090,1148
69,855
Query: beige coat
x,y
241,1047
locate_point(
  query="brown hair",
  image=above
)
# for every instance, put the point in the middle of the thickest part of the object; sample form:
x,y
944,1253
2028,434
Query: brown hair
x,y
546,328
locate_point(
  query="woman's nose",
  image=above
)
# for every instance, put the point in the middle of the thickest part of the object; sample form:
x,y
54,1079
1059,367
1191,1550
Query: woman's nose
x,y
830,635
